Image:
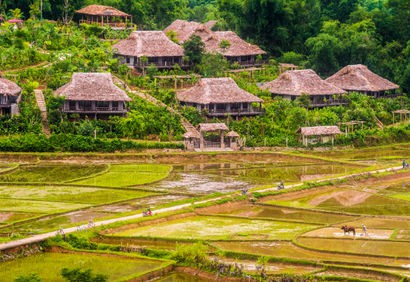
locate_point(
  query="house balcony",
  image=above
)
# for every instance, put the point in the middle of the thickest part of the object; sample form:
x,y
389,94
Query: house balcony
x,y
329,103
5,105
96,110
161,65
235,112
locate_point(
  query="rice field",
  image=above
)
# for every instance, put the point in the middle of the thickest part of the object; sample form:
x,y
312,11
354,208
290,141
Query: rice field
x,y
48,265
128,175
69,194
299,226
51,173
219,228
363,247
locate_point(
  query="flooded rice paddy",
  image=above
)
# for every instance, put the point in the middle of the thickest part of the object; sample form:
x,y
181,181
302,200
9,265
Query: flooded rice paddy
x,y
299,227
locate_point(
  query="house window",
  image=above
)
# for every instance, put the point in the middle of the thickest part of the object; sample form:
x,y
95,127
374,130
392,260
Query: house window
x,y
85,105
72,105
114,105
245,106
127,60
103,105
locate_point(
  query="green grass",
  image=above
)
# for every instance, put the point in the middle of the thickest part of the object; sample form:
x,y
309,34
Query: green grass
x,y
128,175
69,194
402,196
50,173
10,217
363,247
219,228
48,265
38,206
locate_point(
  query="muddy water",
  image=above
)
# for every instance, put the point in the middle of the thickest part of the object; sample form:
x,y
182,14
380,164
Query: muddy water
x,y
228,177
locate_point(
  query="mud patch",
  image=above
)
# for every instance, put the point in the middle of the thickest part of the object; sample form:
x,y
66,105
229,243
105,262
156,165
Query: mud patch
x,y
345,198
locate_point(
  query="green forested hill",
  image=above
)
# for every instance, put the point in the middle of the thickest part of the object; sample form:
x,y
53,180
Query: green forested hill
x,y
321,34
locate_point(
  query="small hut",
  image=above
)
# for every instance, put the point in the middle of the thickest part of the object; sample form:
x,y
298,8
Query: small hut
x,y
232,141
318,134
212,140
10,95
191,140
104,15
294,83
93,95
143,48
358,78
220,97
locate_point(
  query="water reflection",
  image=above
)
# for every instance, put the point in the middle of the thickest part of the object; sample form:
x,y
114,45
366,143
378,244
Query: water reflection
x,y
228,177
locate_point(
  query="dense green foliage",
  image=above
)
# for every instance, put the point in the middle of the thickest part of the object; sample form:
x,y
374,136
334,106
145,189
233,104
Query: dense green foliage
x,y
75,143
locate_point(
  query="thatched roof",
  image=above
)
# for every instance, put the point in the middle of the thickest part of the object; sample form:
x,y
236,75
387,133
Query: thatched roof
x,y
100,10
149,44
319,130
191,134
9,88
232,134
92,87
185,30
360,78
238,46
212,127
299,82
216,90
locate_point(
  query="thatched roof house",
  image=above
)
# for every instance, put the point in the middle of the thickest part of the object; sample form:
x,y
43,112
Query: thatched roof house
x,y
154,45
10,94
9,88
359,78
295,83
93,93
237,48
219,97
185,29
103,15
315,134
238,51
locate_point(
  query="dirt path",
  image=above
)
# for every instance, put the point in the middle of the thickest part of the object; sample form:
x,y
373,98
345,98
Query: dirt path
x,y
42,237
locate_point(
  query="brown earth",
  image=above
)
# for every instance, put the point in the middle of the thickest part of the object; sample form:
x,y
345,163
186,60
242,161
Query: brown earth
x,y
349,197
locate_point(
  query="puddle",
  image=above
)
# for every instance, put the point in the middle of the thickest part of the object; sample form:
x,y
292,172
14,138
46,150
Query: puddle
x,y
202,184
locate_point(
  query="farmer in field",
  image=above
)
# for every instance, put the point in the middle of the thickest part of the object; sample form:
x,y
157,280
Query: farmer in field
x,y
364,228
404,164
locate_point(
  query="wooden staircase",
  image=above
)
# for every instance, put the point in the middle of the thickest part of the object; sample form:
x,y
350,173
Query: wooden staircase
x,y
43,109
378,123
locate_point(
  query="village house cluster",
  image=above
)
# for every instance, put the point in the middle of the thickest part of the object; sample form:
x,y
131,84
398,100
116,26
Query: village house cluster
x,y
96,95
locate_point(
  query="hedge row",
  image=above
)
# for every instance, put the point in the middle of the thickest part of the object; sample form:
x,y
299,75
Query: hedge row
x,y
76,143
